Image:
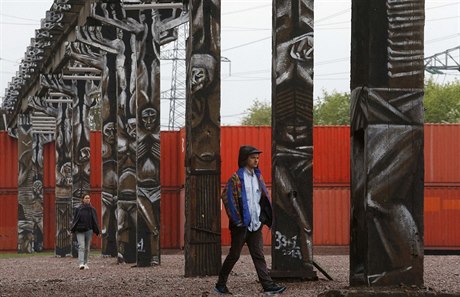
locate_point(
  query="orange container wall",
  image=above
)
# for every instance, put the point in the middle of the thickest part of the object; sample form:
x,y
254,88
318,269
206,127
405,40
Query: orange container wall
x,y
442,154
331,155
170,159
8,162
49,165
9,221
442,217
182,156
331,216
170,190
96,160
49,220
170,220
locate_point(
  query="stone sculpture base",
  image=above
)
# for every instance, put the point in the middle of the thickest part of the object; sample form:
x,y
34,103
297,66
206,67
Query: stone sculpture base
x,y
385,292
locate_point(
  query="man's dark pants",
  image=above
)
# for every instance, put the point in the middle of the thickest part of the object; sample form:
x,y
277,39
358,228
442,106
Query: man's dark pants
x,y
240,236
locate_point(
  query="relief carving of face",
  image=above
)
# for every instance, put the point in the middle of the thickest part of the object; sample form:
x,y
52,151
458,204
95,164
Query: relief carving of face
x,y
66,172
38,187
204,146
203,68
131,127
109,131
198,78
148,117
84,154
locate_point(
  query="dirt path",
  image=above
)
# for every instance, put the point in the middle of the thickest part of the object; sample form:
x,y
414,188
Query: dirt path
x,y
50,276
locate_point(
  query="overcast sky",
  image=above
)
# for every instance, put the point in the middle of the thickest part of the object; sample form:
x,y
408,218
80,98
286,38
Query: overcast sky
x,y
246,41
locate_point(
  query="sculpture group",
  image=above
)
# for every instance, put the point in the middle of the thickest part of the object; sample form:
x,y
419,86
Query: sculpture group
x,y
109,51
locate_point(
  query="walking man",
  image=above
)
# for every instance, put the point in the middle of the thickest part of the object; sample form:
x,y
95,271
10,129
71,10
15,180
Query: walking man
x,y
247,204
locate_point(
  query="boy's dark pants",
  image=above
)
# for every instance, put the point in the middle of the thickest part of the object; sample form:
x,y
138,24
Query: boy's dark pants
x,y
240,236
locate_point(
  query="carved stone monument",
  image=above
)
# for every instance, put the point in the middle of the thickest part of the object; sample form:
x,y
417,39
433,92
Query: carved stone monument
x,y
202,188
292,126
387,68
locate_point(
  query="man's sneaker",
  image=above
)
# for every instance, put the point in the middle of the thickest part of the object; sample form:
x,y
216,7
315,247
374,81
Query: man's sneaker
x,y
81,266
274,289
86,266
222,290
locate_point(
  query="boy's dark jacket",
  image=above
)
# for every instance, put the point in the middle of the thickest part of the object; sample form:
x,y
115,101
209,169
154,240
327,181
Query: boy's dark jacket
x,y
236,202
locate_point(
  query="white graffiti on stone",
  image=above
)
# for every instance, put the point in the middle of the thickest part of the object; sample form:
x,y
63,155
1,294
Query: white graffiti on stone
x,y
288,246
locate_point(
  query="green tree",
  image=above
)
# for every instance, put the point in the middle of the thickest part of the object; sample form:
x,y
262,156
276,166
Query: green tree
x,y
442,102
332,109
259,114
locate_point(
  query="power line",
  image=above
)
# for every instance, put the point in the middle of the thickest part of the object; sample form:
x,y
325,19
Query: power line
x,y
16,17
442,38
450,4
444,18
248,43
333,15
6,60
21,24
247,9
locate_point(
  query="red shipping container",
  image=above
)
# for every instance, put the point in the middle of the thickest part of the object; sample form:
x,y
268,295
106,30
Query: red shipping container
x,y
331,155
8,162
442,217
331,216
96,160
442,154
9,221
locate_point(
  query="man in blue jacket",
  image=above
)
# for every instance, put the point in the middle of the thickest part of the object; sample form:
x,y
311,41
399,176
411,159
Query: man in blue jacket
x,y
246,201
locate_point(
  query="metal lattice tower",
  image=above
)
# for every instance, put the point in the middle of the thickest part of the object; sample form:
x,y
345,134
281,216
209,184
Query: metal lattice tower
x,y
176,94
446,60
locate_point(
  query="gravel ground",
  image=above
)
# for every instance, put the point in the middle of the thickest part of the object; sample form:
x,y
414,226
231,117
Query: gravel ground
x,y
46,275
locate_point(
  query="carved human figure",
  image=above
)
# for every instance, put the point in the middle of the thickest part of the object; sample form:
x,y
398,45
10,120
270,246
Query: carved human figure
x,y
204,70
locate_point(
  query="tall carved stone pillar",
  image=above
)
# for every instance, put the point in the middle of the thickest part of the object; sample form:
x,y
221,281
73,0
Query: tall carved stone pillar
x,y
202,201
63,148
386,245
109,149
81,147
148,141
64,181
27,204
37,189
126,154
292,126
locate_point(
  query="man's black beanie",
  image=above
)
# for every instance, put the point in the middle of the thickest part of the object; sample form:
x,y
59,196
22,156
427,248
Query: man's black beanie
x,y
245,151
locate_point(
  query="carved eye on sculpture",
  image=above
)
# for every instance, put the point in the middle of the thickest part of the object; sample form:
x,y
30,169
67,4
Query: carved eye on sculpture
x,y
294,134
302,48
148,117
